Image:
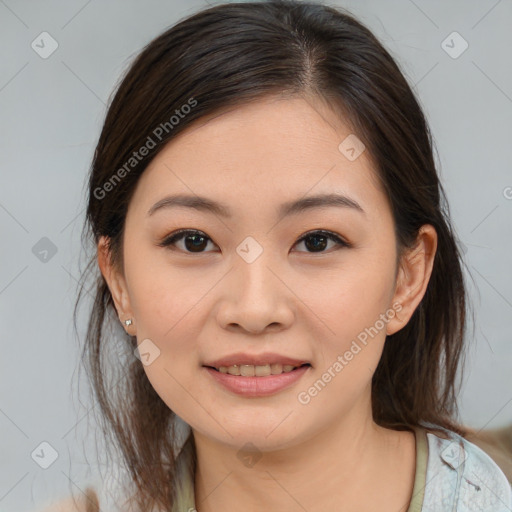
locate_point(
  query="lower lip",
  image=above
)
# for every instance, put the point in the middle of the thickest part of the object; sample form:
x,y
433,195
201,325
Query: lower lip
x,y
258,386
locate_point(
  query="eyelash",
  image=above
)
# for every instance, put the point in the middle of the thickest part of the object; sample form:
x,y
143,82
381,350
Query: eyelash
x,y
180,234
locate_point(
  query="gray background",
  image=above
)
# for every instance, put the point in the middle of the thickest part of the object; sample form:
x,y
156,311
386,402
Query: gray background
x,y
51,115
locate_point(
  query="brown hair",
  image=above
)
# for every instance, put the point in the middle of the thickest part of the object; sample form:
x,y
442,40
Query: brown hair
x,y
223,57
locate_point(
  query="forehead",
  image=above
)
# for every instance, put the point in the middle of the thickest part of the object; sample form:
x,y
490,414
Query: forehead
x,y
271,150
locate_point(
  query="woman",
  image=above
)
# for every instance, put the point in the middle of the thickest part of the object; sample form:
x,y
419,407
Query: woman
x,y
272,235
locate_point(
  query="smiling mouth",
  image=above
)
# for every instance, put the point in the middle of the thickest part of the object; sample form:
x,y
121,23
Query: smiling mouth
x,y
249,370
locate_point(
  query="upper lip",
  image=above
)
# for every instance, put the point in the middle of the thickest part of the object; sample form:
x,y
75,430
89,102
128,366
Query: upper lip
x,y
256,360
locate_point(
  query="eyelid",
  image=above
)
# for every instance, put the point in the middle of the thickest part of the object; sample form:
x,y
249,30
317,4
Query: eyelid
x,y
180,233
330,234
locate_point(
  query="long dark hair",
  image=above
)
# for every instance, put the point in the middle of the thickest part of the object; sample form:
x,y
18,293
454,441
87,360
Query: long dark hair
x,y
223,57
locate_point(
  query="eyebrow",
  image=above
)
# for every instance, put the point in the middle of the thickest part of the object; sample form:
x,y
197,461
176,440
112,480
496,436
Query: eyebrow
x,y
286,209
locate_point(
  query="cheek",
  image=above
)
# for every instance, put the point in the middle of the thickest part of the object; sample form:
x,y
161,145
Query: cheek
x,y
351,340
354,306
163,295
167,306
352,297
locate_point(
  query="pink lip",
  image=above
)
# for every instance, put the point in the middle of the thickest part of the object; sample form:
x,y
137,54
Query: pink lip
x,y
257,386
260,359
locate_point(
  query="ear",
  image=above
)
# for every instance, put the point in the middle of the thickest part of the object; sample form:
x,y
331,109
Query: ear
x,y
116,283
413,277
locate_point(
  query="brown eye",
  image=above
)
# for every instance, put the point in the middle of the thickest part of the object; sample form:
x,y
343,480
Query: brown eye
x,y
317,241
193,241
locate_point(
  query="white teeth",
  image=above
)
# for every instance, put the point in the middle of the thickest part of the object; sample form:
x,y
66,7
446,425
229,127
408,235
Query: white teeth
x,y
249,370
276,368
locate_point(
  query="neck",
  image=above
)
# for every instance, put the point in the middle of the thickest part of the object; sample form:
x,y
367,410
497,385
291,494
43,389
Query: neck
x,y
335,469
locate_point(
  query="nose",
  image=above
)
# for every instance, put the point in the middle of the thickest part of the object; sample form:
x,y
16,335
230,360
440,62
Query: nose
x,y
255,299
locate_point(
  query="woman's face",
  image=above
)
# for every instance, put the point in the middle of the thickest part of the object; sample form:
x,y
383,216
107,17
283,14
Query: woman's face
x,y
246,284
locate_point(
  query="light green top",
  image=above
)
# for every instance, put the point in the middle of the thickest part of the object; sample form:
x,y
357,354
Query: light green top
x,y
420,477
186,461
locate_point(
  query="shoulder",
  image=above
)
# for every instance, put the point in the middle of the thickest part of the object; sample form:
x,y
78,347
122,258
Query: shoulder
x,y
497,443
461,475
87,502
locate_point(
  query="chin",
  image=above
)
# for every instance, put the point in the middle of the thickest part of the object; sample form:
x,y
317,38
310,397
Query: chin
x,y
264,436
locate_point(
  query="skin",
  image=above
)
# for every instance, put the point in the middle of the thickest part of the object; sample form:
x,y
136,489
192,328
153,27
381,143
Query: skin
x,y
327,454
